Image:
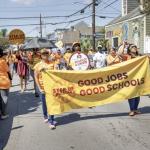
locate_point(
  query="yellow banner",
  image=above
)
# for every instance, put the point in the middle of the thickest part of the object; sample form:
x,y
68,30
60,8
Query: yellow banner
x,y
66,90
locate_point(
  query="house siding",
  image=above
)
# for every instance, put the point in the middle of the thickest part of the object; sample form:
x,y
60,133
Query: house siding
x,y
148,25
132,4
134,35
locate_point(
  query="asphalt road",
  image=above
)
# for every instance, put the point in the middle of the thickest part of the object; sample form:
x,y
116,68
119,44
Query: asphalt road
x,y
102,128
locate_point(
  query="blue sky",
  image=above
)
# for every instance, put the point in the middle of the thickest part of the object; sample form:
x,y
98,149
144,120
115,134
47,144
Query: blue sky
x,y
30,8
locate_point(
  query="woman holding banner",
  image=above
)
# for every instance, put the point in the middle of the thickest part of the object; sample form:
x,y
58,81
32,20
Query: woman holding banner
x,y
46,63
132,52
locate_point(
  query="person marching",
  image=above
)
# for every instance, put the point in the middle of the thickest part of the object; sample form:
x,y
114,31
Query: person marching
x,y
99,58
91,55
44,64
34,58
67,56
132,53
59,61
113,57
10,58
22,70
5,83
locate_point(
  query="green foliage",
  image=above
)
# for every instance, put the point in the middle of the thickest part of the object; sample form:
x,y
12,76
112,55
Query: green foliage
x,y
102,42
4,43
86,44
3,33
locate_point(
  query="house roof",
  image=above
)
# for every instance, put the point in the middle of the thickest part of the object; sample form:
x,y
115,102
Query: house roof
x,y
85,29
135,13
71,36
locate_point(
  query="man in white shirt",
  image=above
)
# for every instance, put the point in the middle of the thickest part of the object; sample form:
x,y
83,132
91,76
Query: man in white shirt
x,y
99,58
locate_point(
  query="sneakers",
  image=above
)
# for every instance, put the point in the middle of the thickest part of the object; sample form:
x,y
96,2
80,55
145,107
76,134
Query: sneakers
x,y
52,126
4,117
137,112
55,123
133,113
45,120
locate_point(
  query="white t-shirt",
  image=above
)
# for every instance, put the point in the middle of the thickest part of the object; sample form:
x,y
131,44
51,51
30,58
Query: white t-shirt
x,y
100,60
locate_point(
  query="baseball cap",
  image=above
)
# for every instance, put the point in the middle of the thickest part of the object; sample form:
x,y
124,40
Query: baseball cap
x,y
44,51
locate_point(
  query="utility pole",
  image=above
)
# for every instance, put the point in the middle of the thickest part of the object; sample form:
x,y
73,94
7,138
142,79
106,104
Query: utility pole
x,y
41,26
93,24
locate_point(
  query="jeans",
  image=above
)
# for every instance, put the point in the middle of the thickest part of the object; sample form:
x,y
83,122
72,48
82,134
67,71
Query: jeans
x,y
44,108
11,68
35,86
3,101
133,103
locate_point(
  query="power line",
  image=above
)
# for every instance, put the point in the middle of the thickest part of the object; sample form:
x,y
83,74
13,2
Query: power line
x,y
110,4
56,23
18,18
40,6
79,11
37,17
65,16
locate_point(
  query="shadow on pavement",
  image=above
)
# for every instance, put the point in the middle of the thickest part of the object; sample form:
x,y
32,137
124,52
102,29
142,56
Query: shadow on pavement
x,y
74,117
18,104
145,110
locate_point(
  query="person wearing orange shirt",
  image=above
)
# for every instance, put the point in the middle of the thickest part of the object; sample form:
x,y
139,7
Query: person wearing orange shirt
x,y
44,64
15,61
59,60
113,57
5,83
10,58
132,52
67,57
34,58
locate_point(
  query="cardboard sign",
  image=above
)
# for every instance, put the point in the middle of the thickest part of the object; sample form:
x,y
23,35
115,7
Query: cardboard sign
x,y
79,61
16,36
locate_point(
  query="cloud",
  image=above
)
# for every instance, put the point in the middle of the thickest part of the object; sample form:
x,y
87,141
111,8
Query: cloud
x,y
26,2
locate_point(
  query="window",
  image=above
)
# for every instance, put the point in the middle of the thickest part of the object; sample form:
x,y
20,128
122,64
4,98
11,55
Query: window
x,y
115,42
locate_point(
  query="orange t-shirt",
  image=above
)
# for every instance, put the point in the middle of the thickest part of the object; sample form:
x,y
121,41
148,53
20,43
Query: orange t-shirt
x,y
111,58
4,79
10,59
58,58
67,57
42,65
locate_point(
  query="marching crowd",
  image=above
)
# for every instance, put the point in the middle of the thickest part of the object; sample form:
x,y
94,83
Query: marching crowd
x,y
31,63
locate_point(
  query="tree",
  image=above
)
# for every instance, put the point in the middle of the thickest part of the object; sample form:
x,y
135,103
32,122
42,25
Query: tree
x,y
3,33
103,43
4,43
86,44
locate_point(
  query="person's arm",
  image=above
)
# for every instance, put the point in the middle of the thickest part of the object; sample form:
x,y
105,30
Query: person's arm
x,y
36,76
5,65
111,61
121,49
30,60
